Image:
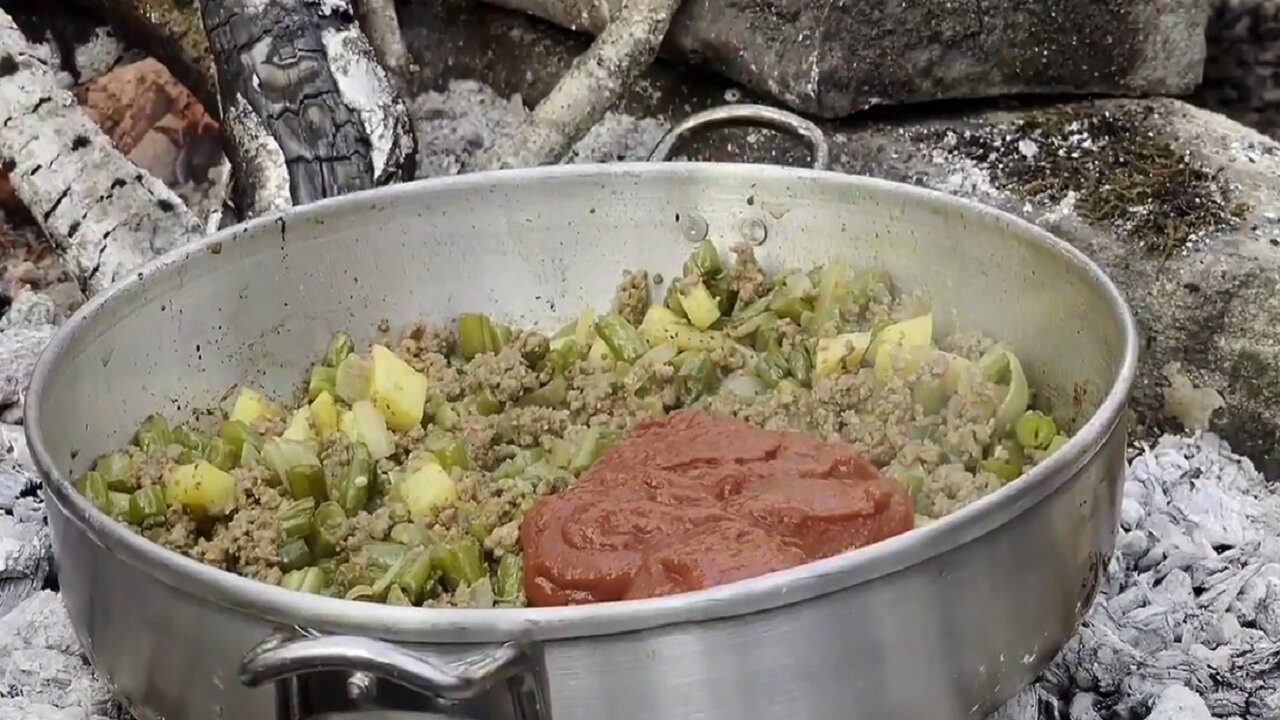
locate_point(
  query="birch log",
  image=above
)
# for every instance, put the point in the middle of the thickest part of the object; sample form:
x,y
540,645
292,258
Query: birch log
x,y
308,112
590,87
103,213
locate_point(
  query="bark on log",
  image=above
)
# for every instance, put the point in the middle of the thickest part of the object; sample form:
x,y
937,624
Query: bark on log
x,y
381,24
590,87
104,214
308,112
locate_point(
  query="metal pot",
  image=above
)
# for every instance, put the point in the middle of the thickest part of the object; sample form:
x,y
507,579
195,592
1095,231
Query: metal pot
x,y
946,621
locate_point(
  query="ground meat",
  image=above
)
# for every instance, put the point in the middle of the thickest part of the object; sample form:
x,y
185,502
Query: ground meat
x,y
632,298
505,376
746,278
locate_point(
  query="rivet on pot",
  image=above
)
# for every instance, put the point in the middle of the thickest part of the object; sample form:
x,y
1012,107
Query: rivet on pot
x,y
694,227
753,230
360,686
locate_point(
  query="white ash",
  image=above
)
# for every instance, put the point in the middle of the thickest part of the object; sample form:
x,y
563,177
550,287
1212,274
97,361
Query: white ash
x,y
20,347
456,125
30,309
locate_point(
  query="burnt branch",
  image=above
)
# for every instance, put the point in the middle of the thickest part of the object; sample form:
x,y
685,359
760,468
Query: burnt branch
x,y
590,87
382,26
308,112
105,215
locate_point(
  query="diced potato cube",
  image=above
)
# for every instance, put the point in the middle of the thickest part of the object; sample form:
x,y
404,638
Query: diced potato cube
x,y
251,405
300,426
426,488
599,352
699,304
916,332
371,429
347,425
399,392
324,414
846,349
203,487
658,325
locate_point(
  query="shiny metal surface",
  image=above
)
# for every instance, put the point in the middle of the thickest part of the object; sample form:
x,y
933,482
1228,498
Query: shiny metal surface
x,y
751,115
947,621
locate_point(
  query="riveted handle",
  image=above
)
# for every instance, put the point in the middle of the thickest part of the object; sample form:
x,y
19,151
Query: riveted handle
x,y
749,115
286,660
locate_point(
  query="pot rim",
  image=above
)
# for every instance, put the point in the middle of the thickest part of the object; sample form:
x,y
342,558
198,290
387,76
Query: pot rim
x,y
457,625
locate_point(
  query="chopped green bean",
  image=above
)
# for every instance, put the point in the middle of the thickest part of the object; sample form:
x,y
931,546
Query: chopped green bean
x,y
772,368
831,290
696,376
460,563
1006,470
791,308
295,518
552,395
222,454
563,355
361,593
801,365
294,554
672,300
145,503
93,486
411,534
593,443
117,469
383,555
329,527
306,481
305,579
507,586
355,480
476,335
397,598
625,341
153,434
448,450
340,346
238,435
1035,430
324,379
418,573
721,289
864,282
118,504
704,261
192,440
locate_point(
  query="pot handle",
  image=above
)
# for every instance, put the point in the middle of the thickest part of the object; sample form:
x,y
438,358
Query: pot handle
x,y
285,659
747,114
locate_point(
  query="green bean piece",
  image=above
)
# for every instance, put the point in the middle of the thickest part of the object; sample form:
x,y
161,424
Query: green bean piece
x,y
411,534
362,593
237,434
147,502
792,308
1006,470
323,379
516,464
118,505
914,482
222,454
704,261
801,365
397,598
117,469
355,481
589,449
552,395
772,368
93,486
1035,430
1056,444
484,404
340,346
307,580
623,339
192,440
672,300
563,356
696,376
349,575
418,573
383,555
507,586
479,529
329,527
502,335
390,576
864,281
721,288
448,449
445,417
831,290
152,434
295,518
306,481
460,563
476,335
294,554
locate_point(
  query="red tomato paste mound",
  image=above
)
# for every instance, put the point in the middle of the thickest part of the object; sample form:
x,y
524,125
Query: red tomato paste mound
x,y
695,500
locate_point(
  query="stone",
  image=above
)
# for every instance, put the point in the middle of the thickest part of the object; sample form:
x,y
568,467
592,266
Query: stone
x,y
1242,66
30,309
835,58
20,347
